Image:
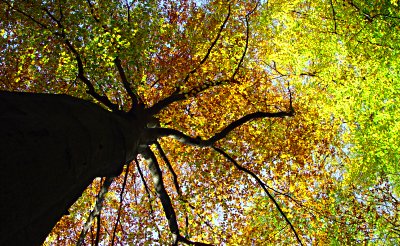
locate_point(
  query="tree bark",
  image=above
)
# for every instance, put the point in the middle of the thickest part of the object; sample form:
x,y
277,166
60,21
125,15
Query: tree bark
x,y
51,149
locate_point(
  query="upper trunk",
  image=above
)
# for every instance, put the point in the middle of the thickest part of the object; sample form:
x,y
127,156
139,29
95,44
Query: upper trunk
x,y
51,149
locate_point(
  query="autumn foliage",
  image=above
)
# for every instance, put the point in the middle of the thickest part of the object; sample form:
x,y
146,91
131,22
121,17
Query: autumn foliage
x,y
277,122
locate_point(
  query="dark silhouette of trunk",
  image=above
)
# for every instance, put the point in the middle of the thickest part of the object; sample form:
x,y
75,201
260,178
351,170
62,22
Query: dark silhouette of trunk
x,y
51,148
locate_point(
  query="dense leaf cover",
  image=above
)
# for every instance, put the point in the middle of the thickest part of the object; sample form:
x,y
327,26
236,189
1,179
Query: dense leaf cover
x,y
315,162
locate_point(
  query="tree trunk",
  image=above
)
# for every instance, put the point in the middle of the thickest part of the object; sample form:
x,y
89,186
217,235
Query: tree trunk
x,y
51,149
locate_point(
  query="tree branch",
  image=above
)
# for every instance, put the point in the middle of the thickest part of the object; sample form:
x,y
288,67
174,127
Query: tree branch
x,y
145,184
366,15
162,193
176,183
26,15
156,174
334,17
81,75
117,62
211,47
245,49
126,84
155,133
81,72
96,210
177,95
171,169
188,242
94,15
98,225
181,96
147,192
121,198
259,181
244,119
247,40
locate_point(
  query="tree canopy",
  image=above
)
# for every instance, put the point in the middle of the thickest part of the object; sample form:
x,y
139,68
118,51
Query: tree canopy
x,y
268,122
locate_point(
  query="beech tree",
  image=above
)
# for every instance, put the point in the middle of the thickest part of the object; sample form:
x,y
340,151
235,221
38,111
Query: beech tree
x,y
193,122
65,143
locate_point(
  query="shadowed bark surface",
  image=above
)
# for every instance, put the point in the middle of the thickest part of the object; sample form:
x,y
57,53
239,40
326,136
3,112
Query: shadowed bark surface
x,y
51,148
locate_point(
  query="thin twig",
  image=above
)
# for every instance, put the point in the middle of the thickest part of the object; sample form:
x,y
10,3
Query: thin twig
x,y
98,217
241,168
211,47
147,192
170,168
334,17
121,198
144,183
247,40
26,15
